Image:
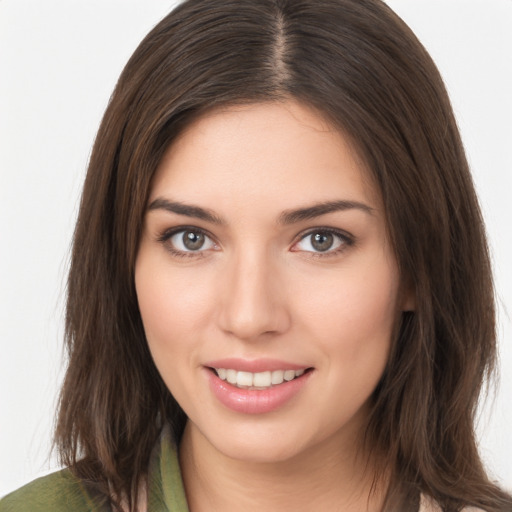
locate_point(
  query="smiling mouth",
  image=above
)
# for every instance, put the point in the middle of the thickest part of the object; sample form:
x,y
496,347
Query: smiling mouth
x,y
260,380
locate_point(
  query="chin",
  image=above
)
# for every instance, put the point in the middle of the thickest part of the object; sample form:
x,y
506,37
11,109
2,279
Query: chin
x,y
253,443
262,452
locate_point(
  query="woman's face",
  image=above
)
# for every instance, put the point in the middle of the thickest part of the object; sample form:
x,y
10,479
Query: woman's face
x,y
264,258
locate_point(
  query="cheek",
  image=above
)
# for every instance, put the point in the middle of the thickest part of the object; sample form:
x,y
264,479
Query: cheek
x,y
351,319
352,312
172,307
170,302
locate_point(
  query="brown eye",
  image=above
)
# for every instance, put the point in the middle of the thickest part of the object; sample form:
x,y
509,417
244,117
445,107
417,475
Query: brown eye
x,y
322,241
193,241
190,240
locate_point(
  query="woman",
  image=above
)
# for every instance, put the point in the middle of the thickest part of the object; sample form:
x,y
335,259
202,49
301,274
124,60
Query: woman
x,y
280,291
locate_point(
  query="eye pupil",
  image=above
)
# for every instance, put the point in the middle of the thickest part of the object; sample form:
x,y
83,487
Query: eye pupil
x,y
322,241
192,240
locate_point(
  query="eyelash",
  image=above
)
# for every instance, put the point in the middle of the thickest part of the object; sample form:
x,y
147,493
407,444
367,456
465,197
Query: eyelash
x,y
165,237
346,240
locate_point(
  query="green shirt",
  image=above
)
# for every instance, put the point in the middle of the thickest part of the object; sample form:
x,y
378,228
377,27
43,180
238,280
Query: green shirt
x,y
62,492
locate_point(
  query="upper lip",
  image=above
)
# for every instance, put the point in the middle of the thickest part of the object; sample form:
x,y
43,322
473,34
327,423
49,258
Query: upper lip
x,y
254,365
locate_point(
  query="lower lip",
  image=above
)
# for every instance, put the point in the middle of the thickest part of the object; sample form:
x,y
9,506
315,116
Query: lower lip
x,y
254,401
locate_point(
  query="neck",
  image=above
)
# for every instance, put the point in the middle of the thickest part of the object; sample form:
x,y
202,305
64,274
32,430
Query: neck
x,y
331,479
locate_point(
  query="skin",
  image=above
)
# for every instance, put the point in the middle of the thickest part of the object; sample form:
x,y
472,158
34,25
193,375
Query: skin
x,y
259,288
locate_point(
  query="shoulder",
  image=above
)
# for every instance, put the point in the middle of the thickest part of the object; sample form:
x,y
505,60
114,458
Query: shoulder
x,y
57,492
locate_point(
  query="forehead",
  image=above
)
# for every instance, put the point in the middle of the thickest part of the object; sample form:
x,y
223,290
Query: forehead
x,y
285,151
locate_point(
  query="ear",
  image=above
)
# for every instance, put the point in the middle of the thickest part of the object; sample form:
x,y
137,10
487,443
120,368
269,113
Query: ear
x,y
408,299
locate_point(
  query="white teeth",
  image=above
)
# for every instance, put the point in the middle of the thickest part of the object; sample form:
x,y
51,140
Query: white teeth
x,y
244,379
289,375
277,377
231,376
260,380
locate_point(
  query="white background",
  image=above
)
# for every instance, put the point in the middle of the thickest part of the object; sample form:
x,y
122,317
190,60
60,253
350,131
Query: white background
x,y
59,61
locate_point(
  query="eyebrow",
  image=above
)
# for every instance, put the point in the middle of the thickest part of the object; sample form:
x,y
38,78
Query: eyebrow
x,y
286,217
316,210
186,209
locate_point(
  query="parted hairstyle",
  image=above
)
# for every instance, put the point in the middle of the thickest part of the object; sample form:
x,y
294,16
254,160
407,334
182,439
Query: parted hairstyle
x,y
358,65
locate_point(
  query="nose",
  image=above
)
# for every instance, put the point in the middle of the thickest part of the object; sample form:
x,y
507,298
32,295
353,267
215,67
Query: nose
x,y
253,301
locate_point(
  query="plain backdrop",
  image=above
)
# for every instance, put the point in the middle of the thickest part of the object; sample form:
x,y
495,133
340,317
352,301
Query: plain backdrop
x,y
59,61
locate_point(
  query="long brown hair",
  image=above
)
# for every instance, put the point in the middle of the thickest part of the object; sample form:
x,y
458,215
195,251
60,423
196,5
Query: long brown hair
x,y
359,65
